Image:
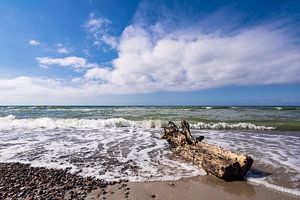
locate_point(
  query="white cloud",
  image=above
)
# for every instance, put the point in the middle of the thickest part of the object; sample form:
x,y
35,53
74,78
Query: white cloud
x,y
152,58
99,28
33,90
190,60
63,50
95,25
72,61
110,41
34,42
98,73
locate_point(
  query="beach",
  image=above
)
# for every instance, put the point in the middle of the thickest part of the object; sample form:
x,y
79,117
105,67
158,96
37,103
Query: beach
x,y
122,145
143,100
203,187
20,181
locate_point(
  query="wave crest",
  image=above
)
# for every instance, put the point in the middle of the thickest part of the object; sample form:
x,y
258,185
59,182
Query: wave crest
x,y
11,122
230,126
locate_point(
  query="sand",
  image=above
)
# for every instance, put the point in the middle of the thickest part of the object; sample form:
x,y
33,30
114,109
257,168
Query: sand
x,y
21,181
203,187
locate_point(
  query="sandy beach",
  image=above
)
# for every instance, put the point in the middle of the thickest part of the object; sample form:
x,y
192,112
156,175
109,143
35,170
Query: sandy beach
x,y
203,187
20,181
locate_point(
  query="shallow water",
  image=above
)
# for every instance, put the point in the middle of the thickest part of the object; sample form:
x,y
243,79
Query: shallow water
x,y
122,143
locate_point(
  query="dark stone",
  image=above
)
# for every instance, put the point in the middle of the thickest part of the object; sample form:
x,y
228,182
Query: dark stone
x,y
200,138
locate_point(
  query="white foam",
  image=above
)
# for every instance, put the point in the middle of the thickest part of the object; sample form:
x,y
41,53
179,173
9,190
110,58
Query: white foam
x,y
107,145
107,151
265,183
225,125
10,122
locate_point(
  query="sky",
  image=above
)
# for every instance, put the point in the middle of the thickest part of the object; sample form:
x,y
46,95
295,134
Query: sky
x,y
159,52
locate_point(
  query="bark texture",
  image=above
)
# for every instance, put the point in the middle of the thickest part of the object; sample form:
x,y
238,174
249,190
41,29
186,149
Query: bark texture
x,y
213,159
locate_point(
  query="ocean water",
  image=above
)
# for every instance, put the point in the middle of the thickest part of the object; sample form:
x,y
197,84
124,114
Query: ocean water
x,y
124,142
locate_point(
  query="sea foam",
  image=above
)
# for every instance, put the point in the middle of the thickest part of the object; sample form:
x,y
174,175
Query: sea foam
x,y
118,148
11,122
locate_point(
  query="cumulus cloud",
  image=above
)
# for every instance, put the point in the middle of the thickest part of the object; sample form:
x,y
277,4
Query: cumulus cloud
x,y
34,42
190,60
175,61
156,57
98,73
187,60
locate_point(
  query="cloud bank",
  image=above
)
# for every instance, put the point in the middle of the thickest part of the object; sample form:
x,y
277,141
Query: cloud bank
x,y
152,60
156,58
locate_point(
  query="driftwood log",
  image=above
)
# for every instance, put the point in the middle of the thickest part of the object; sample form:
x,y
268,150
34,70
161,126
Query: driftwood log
x,y
213,159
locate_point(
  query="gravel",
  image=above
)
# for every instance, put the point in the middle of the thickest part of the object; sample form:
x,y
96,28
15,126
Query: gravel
x,y
21,181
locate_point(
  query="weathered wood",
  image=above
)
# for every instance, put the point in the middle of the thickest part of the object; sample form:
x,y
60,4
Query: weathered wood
x,y
213,159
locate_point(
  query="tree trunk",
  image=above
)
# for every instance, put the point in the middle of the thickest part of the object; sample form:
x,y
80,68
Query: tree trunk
x,y
213,159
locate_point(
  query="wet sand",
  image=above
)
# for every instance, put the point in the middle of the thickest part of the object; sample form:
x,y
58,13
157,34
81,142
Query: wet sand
x,y
203,187
21,181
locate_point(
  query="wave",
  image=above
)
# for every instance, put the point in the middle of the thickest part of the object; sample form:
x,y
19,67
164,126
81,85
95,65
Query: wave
x,y
265,183
11,122
230,126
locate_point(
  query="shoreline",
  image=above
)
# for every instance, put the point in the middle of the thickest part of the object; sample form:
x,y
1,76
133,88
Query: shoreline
x,y
21,181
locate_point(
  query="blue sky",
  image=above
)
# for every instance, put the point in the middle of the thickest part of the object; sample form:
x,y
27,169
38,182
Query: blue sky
x,y
150,52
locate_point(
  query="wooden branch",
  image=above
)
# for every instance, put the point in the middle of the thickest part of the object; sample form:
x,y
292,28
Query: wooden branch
x,y
186,131
222,163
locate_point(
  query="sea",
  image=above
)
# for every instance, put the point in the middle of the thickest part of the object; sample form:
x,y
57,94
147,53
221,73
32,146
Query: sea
x,y
123,142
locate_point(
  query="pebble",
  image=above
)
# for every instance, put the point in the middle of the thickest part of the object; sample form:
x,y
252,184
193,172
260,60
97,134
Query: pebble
x,y
21,181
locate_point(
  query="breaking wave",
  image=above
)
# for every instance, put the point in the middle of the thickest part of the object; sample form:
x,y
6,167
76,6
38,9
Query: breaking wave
x,y
230,126
11,122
